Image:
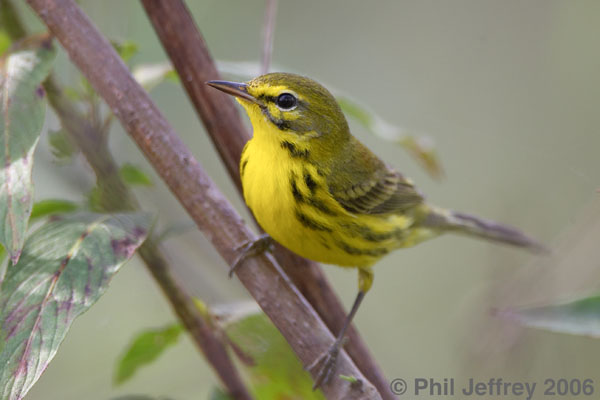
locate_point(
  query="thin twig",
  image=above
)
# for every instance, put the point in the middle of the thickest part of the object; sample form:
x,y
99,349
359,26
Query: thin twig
x,y
268,34
289,311
116,196
190,56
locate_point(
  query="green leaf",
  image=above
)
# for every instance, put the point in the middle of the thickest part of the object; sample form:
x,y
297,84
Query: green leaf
x,y
134,175
149,345
62,147
152,75
362,116
351,379
145,349
22,100
5,42
272,370
93,199
125,48
65,267
420,148
87,90
579,317
275,372
72,93
52,207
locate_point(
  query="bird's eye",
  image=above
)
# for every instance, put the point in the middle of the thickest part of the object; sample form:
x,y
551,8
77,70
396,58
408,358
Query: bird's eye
x,y
286,101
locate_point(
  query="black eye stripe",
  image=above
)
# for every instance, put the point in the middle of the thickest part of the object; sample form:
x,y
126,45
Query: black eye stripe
x,y
279,119
268,99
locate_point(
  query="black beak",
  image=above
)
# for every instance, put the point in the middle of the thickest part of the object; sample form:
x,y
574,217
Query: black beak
x,y
236,89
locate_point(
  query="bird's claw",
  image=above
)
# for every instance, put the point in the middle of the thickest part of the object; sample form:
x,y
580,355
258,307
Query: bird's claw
x,y
326,364
251,249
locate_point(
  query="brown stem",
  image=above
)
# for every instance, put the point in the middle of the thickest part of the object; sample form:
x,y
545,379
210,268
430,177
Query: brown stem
x,y
187,50
261,275
201,330
116,196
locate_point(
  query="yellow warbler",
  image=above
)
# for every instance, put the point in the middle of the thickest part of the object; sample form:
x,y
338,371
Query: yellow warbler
x,y
314,188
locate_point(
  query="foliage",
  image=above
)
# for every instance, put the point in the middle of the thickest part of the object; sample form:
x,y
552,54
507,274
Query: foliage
x,y
4,42
125,48
133,175
145,348
275,372
577,317
60,270
23,107
272,369
62,148
49,207
66,265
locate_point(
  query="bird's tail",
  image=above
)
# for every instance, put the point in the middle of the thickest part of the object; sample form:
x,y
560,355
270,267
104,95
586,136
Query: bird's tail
x,y
447,220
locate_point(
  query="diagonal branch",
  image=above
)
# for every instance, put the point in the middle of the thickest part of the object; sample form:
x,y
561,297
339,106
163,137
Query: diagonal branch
x,y
116,196
289,311
187,50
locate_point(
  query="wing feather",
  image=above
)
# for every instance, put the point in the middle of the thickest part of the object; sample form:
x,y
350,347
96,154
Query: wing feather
x,y
385,191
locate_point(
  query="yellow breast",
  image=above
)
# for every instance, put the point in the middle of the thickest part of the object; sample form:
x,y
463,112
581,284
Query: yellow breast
x,y
291,201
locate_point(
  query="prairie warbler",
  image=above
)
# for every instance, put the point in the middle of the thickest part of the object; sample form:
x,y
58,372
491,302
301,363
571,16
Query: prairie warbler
x,y
314,188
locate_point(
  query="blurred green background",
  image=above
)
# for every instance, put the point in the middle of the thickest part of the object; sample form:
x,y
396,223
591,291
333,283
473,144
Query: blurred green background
x,y
509,91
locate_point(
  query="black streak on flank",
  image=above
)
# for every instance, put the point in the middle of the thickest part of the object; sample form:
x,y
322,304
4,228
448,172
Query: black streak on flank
x,y
297,195
311,223
369,235
311,201
319,205
294,152
310,182
376,252
243,167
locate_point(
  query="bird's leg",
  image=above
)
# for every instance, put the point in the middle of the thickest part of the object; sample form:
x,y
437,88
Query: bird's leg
x,y
327,361
251,249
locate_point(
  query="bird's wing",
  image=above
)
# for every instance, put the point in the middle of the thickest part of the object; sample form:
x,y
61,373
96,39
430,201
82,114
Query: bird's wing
x,y
385,191
361,183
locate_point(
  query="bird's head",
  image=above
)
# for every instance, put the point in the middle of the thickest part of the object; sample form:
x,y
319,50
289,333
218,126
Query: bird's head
x,y
291,103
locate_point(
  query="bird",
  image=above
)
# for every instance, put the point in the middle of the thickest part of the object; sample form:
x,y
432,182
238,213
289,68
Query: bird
x,y
317,190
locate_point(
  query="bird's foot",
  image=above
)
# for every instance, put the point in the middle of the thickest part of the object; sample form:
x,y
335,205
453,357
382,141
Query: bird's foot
x,y
251,249
326,364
